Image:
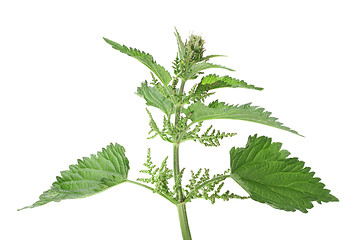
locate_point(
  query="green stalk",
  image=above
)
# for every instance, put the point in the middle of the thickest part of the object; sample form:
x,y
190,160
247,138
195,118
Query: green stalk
x,y
177,172
185,230
178,108
181,206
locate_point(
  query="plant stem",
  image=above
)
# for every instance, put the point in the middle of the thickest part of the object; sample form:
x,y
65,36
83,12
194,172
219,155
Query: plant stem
x,y
185,230
181,206
177,172
178,108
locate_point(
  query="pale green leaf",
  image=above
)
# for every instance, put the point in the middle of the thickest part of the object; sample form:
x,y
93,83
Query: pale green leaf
x,y
145,58
198,67
213,81
266,173
206,58
154,98
89,176
219,110
181,45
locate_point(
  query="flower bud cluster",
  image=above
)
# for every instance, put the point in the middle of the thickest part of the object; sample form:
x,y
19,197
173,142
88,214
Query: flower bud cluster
x,y
194,49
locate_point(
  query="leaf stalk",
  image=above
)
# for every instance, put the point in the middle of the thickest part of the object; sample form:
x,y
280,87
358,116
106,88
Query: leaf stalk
x,y
153,190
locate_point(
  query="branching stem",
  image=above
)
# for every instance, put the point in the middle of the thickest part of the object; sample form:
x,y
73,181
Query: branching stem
x,y
184,132
153,190
185,229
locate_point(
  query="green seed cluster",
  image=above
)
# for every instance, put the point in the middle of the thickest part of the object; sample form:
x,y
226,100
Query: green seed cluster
x,y
155,82
210,137
201,185
194,95
159,176
165,133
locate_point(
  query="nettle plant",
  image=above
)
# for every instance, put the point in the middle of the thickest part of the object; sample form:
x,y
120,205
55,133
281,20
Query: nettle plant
x,y
261,168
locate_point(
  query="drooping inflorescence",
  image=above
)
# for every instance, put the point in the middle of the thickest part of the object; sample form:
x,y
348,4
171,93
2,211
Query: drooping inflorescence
x,y
201,185
210,137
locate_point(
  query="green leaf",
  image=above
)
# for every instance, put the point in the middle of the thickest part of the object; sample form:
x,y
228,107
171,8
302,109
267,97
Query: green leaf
x,y
145,58
197,68
181,45
207,58
154,98
213,81
90,176
219,110
266,173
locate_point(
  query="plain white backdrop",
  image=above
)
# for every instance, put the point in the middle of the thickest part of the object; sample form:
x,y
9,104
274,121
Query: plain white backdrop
x,y
65,94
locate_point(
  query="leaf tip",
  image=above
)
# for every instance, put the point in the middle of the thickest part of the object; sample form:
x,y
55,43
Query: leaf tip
x,y
333,198
108,41
20,209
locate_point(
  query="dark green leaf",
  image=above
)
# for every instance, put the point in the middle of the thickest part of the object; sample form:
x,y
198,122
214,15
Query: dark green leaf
x,y
269,176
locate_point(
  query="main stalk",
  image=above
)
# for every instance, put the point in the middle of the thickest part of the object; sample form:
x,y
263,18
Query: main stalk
x,y
181,206
185,230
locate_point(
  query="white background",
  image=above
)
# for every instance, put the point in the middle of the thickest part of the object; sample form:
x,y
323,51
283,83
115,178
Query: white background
x,y
64,94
